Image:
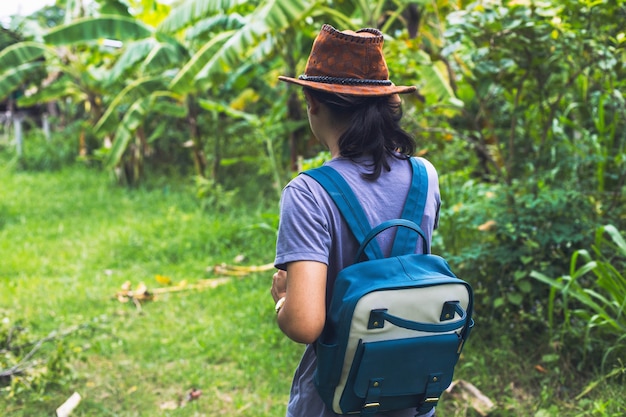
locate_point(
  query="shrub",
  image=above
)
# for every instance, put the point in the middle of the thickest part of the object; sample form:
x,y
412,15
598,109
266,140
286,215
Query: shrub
x,y
593,298
41,154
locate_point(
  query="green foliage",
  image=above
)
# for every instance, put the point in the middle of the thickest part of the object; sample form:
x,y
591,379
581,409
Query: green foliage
x,y
593,304
497,234
18,68
543,123
26,365
535,74
42,154
212,196
94,29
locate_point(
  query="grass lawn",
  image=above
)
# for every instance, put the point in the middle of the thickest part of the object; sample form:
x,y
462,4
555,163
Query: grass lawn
x,y
69,240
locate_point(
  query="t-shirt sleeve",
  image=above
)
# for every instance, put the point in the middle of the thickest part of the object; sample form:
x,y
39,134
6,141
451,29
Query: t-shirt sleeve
x,y
303,231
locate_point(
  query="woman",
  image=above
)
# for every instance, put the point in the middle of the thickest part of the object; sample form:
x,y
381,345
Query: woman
x,y
354,110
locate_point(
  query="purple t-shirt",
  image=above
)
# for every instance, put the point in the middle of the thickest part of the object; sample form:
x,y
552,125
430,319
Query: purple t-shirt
x,y
312,229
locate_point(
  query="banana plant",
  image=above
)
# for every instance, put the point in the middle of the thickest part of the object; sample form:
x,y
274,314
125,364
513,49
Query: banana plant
x,y
174,58
252,35
74,57
53,54
212,41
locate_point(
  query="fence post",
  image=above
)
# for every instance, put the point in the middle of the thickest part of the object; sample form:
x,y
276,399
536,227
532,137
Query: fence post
x,y
5,126
46,126
19,140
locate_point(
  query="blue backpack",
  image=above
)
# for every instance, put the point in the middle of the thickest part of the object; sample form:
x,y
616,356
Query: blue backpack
x,y
395,326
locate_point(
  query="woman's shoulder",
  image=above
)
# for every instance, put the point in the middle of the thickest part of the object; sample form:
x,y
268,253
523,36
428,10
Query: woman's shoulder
x,y
430,168
303,187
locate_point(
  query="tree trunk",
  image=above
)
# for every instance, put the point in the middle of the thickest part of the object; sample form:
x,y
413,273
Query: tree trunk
x,y
199,159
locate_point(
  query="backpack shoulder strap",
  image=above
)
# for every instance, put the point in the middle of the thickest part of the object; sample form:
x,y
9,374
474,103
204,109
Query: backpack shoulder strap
x,y
347,203
406,238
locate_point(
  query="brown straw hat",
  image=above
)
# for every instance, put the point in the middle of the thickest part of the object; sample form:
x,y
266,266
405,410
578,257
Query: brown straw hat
x,y
350,63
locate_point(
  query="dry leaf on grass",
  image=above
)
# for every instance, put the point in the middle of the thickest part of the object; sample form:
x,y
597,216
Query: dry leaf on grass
x,y
163,280
136,295
192,395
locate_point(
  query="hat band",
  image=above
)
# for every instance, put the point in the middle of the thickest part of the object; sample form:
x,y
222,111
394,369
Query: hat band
x,y
343,81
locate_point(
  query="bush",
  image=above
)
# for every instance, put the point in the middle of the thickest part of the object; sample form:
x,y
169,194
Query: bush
x,y
546,138
41,154
497,234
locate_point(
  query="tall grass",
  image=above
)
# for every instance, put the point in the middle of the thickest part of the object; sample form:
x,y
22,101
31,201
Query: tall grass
x,y
593,295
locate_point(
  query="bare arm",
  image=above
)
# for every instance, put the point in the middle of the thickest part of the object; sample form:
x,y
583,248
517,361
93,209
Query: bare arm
x,y
303,314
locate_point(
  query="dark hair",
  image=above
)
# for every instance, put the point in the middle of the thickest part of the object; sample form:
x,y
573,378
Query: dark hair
x,y
374,128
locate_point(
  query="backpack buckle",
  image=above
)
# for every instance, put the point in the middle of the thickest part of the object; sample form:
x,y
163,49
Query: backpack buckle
x,y
449,310
371,399
377,319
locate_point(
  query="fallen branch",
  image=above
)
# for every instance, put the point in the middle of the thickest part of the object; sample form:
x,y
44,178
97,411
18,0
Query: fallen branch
x,y
26,362
141,293
469,394
237,270
7,343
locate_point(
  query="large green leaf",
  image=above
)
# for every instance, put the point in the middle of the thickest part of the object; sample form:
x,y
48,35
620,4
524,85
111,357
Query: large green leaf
x,y
17,64
185,77
170,108
190,11
122,139
273,17
11,79
134,52
277,15
155,56
215,106
434,84
64,87
162,56
20,53
618,239
96,28
219,23
133,119
138,88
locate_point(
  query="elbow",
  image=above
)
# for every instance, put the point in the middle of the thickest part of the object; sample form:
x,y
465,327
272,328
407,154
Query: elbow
x,y
302,337
301,331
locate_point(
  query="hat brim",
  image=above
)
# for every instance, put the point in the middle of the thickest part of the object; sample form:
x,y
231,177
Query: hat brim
x,y
352,90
